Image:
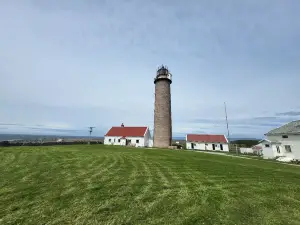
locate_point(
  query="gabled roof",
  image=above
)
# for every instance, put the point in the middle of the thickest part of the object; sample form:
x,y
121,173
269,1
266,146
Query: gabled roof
x,y
127,131
266,140
209,138
290,128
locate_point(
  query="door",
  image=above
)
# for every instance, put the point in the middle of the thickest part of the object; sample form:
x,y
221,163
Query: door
x,y
214,147
128,142
221,147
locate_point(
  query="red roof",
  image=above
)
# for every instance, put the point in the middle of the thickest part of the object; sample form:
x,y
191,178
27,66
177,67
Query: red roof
x,y
210,138
127,131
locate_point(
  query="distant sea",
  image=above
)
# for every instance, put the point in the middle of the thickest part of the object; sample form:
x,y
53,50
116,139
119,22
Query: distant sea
x,y
29,137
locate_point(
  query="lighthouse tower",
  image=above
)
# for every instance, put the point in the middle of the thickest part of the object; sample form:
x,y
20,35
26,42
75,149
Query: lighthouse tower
x,y
162,137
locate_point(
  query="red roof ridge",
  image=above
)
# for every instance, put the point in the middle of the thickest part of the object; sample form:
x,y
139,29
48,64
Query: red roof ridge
x,y
128,131
219,138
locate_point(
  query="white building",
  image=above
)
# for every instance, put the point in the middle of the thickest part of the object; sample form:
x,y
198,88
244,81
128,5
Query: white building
x,y
207,142
130,136
266,148
283,142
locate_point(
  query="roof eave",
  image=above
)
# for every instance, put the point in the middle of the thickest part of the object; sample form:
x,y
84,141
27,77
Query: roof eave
x,y
281,133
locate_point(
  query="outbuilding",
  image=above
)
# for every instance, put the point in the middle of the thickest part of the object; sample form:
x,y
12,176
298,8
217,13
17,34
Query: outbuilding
x,y
207,142
128,136
268,149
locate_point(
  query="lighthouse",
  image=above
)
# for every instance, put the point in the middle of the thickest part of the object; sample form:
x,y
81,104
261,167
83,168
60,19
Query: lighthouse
x,y
162,137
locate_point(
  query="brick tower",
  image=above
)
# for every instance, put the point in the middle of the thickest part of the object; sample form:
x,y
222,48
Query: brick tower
x,y
162,137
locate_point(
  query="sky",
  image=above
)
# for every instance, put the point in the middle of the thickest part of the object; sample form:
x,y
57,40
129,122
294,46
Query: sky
x,y
66,65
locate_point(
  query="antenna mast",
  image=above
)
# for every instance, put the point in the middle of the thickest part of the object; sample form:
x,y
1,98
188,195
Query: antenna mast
x,y
226,121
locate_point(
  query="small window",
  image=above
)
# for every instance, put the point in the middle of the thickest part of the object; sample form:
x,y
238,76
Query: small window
x,y
278,149
119,140
288,148
137,141
285,136
267,145
109,140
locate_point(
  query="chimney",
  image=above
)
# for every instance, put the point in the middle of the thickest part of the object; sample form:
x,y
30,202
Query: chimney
x,y
122,125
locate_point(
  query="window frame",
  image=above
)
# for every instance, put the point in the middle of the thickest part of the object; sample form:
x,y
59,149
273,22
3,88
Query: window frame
x,y
277,149
289,150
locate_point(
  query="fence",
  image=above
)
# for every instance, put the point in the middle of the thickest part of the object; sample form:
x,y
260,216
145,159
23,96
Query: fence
x,y
246,150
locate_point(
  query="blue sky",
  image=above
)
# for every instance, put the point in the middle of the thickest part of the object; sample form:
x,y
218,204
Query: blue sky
x,y
66,65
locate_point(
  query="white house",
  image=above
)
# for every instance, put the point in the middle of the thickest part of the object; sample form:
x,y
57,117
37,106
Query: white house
x,y
283,141
207,142
268,149
130,136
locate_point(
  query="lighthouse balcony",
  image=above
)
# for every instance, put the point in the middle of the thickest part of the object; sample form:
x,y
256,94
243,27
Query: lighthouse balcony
x,y
163,77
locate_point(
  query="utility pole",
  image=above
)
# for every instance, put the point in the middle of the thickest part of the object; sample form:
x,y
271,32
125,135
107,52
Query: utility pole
x,y
90,131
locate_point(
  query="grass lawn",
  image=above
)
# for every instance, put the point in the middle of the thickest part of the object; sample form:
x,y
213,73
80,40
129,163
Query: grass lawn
x,y
113,185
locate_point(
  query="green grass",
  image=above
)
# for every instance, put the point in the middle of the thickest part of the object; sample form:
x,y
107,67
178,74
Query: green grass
x,y
110,185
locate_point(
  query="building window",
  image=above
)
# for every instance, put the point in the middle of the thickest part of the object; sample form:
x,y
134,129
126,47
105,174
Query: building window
x,y
109,140
278,149
288,148
285,136
119,140
137,141
267,145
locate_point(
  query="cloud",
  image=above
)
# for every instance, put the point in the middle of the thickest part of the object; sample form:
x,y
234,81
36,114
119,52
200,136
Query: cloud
x,y
54,130
291,113
92,63
11,124
251,126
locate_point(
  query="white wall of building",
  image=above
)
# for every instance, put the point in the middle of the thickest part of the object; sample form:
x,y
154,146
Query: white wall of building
x,y
207,146
148,138
292,140
117,140
268,149
135,141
